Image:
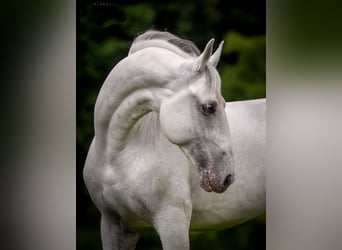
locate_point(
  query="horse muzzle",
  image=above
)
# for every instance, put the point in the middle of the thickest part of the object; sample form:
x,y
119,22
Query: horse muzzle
x,y
209,181
215,165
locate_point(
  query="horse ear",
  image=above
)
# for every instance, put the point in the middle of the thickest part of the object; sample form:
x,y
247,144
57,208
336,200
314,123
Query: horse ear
x,y
215,58
203,59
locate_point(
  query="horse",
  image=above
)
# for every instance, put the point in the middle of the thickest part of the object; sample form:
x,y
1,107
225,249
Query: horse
x,y
168,151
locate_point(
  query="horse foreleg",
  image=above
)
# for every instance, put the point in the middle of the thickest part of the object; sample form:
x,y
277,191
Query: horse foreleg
x,y
116,236
172,225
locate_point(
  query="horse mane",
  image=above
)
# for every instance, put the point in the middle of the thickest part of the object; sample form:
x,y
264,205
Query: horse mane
x,y
164,39
180,46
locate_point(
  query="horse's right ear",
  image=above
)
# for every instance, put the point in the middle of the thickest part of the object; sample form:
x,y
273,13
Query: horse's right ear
x,y
203,59
215,58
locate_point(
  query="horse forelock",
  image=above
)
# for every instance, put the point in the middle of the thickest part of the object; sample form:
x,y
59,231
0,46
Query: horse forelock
x,y
212,81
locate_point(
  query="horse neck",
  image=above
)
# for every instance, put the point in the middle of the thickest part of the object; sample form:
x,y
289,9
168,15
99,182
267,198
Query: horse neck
x,y
147,131
136,116
134,88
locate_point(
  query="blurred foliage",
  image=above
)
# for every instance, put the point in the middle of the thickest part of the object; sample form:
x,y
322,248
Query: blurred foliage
x,y
244,77
104,32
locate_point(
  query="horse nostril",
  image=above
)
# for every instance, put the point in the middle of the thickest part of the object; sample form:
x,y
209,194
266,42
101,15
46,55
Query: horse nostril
x,y
228,180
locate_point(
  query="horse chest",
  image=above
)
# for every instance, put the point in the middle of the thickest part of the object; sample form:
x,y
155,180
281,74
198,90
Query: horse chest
x,y
135,187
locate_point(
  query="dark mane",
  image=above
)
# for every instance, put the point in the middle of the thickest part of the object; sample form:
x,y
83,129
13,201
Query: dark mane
x,y
183,44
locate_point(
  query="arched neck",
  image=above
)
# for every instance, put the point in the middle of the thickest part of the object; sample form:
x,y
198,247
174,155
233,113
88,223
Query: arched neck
x,y
135,87
137,116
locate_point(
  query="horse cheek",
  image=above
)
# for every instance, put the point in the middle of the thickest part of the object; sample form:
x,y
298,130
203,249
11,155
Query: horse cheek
x,y
176,123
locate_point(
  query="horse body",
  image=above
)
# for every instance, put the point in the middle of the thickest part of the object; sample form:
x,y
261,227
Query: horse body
x,y
142,166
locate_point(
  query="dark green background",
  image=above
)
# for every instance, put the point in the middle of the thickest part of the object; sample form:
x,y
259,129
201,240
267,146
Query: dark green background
x,y
104,32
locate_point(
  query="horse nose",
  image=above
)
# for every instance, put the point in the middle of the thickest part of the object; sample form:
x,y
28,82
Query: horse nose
x,y
228,180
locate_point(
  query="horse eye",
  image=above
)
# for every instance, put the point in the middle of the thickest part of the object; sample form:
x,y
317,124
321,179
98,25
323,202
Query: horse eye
x,y
209,108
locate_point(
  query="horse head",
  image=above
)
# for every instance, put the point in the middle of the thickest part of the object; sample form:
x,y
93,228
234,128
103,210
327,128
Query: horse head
x,y
194,119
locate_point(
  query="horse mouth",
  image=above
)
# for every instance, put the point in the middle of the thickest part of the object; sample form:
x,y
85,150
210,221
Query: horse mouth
x,y
206,181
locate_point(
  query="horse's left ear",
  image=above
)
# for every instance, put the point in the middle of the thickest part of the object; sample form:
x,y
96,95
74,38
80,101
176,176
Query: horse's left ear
x,y
215,58
203,59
